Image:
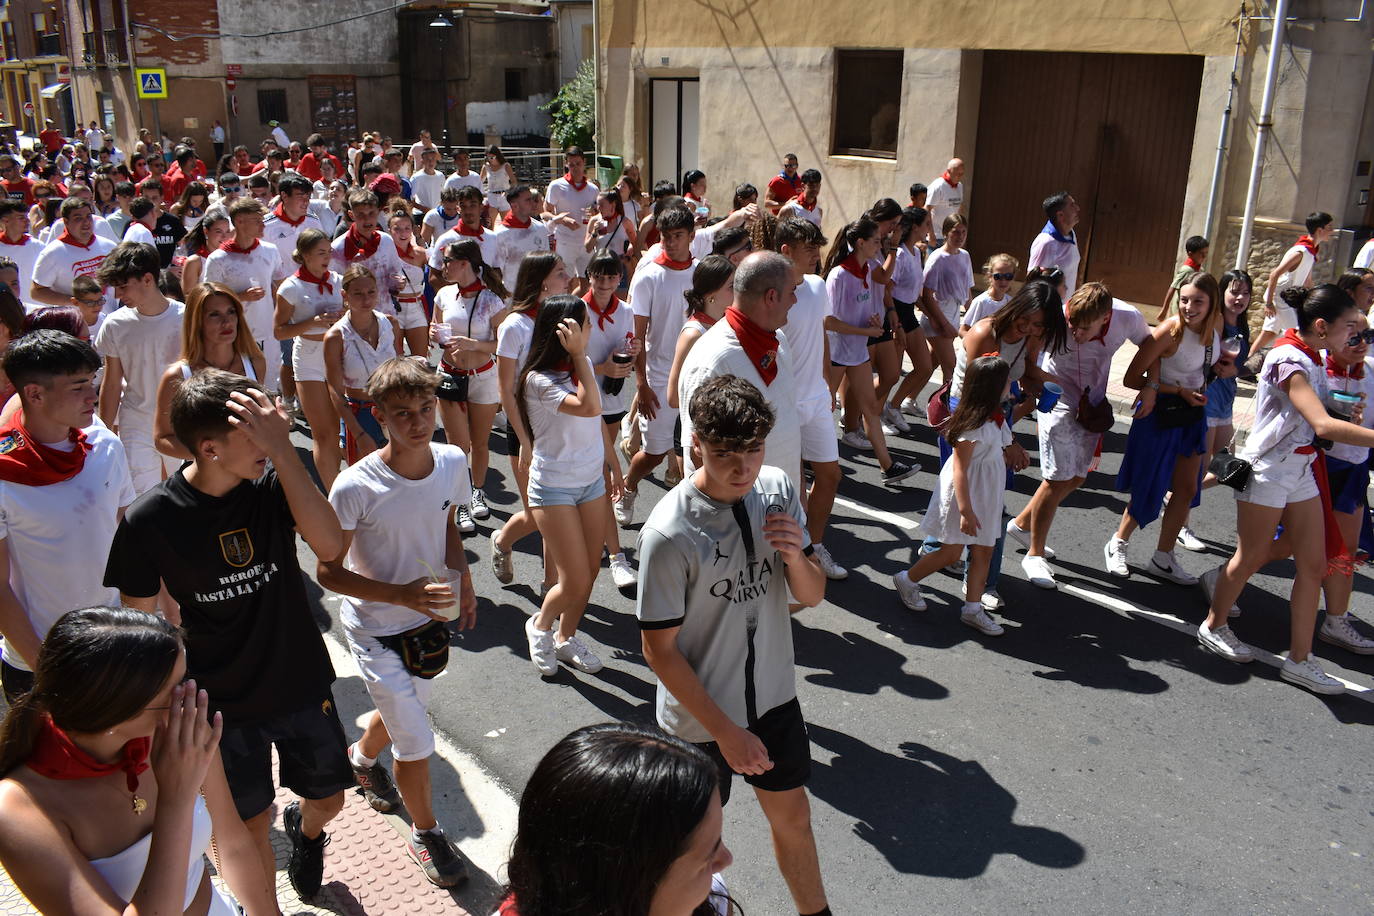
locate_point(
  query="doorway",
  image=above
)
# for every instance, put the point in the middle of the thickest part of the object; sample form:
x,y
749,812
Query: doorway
x,y
673,128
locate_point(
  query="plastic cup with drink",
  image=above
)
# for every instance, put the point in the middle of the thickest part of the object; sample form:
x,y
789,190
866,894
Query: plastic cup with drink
x,y
449,579
1049,396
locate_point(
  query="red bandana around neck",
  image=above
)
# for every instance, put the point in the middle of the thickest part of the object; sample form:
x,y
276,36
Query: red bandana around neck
x,y
1290,338
998,417
852,265
356,248
1336,370
759,345
24,460
567,176
232,247
280,214
702,317
405,252
23,239
1189,263
323,283
690,196
1307,242
602,316
55,756
66,237
473,289
203,251
473,233
949,179
510,222
669,263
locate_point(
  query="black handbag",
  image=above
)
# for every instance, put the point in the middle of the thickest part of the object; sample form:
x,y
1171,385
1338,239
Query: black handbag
x,y
423,650
453,386
1229,470
1173,412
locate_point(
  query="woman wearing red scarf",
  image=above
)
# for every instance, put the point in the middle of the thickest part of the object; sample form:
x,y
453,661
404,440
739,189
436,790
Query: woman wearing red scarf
x,y
97,817
1288,484
411,308
202,238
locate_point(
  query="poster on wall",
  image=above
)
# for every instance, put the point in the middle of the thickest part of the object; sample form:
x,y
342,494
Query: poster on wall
x,y
334,109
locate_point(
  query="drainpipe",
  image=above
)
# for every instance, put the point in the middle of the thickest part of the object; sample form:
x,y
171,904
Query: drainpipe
x,y
596,82
1266,122
1215,191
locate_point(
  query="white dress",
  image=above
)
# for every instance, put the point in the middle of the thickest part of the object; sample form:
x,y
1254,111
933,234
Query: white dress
x,y
987,483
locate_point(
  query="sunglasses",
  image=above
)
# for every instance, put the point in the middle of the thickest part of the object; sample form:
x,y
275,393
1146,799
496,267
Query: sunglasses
x,y
1007,277
1366,336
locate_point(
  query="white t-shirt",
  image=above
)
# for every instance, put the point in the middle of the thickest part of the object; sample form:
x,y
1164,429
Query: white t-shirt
x,y
513,338
399,525
59,264
99,223
656,293
1088,365
467,316
137,232
943,200
425,188
1047,251
908,276
805,330
145,346
25,255
470,180
564,198
983,306
486,242
308,300
440,222
568,451
59,535
282,139
259,267
513,244
611,335
1365,258
385,264
794,208
282,235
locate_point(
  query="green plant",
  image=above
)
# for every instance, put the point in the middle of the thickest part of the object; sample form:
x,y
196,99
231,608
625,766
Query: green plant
x,y
572,112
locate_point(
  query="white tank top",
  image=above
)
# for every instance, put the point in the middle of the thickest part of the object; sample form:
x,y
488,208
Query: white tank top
x,y
1013,353
247,373
360,358
1186,367
497,179
1298,276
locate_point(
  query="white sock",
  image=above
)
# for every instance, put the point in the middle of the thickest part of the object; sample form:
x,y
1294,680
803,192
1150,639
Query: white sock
x,y
436,830
358,759
907,574
971,607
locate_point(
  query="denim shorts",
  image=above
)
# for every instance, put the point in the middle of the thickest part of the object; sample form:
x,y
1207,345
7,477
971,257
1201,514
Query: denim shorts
x,y
542,495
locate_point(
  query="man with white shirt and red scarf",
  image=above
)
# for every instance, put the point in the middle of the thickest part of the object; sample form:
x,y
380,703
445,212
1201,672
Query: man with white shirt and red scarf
x,y
16,243
76,252
470,203
280,228
1057,245
54,465
518,232
945,196
364,243
569,199
1294,271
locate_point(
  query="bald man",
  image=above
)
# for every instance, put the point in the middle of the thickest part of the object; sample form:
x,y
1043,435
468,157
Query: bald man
x,y
945,197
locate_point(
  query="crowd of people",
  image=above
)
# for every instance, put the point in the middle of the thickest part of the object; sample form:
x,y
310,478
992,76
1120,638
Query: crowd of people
x,y
165,331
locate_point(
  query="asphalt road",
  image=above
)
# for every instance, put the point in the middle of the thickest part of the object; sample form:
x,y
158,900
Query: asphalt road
x,y
1094,758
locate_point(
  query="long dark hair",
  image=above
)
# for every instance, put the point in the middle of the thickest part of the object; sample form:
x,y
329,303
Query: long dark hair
x,y
468,250
711,273
97,668
843,246
883,209
1327,302
1035,297
985,378
547,352
603,817
195,236
535,268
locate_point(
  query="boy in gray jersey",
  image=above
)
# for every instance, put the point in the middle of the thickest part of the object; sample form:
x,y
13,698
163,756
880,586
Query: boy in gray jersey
x,y
718,556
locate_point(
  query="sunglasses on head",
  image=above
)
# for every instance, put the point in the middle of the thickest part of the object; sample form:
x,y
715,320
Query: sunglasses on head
x,y
1007,277
1366,336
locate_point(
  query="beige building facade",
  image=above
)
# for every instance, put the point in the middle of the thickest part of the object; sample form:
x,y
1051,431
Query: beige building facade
x,y
1120,103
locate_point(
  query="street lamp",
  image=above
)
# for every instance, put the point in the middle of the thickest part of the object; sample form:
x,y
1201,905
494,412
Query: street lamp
x,y
442,23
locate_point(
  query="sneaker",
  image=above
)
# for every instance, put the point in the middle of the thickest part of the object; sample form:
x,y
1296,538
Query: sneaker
x,y
1208,581
465,523
502,564
480,509
1224,642
908,591
1253,365
1189,541
991,600
893,417
909,406
832,570
627,448
375,784
1023,537
1307,673
855,439
672,477
306,867
889,429
438,859
1166,565
1339,631
622,573
898,471
542,651
1114,555
1038,573
575,653
978,618
625,508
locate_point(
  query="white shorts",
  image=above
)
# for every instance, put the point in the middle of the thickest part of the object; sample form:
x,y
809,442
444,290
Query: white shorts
x,y
400,697
575,259
1066,448
411,314
656,435
273,373
484,387
1285,317
1217,422
307,360
497,201
1280,481
948,308
146,464
818,442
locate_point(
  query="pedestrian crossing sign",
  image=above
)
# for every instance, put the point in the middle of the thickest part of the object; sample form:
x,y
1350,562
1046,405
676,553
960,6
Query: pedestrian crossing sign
x,y
152,84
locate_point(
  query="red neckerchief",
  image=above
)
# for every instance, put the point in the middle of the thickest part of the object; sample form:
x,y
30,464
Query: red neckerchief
x,y
280,214
705,319
1189,263
23,239
998,417
1290,338
323,283
801,199
759,345
56,757
26,461
510,222
567,176
232,247
203,251
464,230
356,248
851,264
472,290
1307,242
608,314
1336,370
669,263
405,252
949,179
67,238
690,196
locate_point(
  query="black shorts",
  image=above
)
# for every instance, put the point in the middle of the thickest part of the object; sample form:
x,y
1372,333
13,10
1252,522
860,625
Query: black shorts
x,y
783,732
887,331
613,419
312,757
906,315
512,440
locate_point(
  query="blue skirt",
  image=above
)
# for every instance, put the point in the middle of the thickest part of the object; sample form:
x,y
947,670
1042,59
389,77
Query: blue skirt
x,y
1350,493
1147,468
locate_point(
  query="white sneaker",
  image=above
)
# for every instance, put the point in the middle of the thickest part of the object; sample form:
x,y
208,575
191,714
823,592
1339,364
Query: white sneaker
x,y
625,508
465,523
575,653
622,573
1208,581
1166,565
1023,537
673,476
908,591
1189,541
832,570
1114,554
1340,632
542,651
910,406
991,600
978,618
1307,673
1038,573
893,417
889,429
502,564
479,506
855,439
1224,642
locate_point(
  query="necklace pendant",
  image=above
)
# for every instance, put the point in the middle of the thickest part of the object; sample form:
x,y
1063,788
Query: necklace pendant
x,y
139,805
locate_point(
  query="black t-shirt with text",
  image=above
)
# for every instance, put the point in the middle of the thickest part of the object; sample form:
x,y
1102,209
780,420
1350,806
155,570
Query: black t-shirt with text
x,y
167,234
230,561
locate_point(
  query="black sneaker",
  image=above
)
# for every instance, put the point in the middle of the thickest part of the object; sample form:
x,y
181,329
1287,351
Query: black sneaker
x,y
436,856
306,868
376,787
898,471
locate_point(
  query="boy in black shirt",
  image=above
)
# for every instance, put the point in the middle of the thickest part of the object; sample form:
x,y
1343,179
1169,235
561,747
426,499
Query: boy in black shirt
x,y
221,534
